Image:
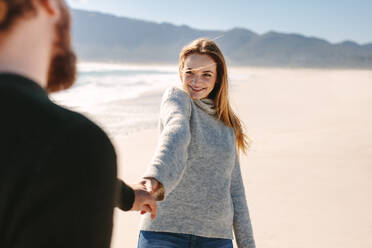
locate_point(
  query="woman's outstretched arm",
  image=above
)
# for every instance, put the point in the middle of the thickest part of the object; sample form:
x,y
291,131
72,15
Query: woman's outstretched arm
x,y
169,161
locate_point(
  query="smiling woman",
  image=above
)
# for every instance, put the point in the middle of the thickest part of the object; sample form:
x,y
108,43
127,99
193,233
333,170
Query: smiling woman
x,y
195,172
203,73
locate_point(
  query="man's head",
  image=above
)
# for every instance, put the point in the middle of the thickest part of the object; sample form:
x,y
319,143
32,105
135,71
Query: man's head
x,y
62,60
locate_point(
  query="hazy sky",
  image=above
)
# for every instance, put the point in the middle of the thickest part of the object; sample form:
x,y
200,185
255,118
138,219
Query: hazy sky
x,y
334,20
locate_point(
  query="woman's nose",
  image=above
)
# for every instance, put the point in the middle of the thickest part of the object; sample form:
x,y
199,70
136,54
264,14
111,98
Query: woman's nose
x,y
195,80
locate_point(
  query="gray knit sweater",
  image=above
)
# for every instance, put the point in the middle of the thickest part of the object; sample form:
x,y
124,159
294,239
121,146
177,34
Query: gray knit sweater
x,y
197,163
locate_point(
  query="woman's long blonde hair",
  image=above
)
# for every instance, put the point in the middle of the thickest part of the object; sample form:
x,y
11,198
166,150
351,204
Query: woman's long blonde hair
x,y
220,92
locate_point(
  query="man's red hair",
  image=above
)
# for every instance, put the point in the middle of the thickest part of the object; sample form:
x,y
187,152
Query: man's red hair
x,y
13,10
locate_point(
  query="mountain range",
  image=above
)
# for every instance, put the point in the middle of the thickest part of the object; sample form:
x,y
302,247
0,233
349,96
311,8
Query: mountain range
x,y
104,37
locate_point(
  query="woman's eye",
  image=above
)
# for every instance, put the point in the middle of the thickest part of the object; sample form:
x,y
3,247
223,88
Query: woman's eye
x,y
207,75
188,72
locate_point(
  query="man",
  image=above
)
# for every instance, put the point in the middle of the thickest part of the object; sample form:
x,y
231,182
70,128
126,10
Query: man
x,y
58,182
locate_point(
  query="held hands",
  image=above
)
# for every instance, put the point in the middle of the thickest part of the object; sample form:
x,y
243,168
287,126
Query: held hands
x,y
155,188
151,184
147,192
144,201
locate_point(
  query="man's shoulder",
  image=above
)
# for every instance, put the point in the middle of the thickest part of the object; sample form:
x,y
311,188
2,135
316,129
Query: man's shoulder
x,y
78,126
66,121
27,110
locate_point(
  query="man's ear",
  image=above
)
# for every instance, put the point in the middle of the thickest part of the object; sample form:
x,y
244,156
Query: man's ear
x,y
50,6
3,10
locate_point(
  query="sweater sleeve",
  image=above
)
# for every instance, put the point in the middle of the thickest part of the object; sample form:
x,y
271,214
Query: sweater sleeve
x,y
241,223
169,161
125,197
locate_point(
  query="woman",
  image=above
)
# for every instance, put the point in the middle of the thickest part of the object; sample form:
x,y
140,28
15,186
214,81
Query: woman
x,y
195,171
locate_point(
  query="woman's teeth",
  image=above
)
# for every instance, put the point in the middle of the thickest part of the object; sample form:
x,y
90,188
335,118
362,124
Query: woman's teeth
x,y
197,90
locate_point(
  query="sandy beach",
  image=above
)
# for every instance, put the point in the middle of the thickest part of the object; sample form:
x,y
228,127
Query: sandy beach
x,y
308,173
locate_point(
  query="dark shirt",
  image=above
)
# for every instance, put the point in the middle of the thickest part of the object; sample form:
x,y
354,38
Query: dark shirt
x,y
58,184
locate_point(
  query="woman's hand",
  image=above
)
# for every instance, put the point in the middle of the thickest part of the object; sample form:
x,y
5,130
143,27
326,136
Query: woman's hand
x,y
152,185
155,188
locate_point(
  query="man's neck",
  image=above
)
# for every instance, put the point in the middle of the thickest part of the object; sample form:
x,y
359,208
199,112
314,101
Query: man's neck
x,y
23,68
26,51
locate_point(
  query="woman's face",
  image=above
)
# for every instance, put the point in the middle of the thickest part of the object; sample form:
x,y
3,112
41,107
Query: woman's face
x,y
199,75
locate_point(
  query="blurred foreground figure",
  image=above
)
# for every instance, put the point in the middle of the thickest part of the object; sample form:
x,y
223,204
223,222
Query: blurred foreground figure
x,y
58,185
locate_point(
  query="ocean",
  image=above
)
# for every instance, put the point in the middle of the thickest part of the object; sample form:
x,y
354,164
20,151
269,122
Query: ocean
x,y
121,98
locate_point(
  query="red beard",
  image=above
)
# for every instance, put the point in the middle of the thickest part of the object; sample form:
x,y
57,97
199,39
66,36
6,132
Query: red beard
x,y
62,68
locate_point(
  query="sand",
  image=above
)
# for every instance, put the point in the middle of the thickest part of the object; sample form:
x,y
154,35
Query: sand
x,y
308,174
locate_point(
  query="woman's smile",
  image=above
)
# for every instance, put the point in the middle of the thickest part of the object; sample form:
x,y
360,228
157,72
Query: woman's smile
x,y
196,90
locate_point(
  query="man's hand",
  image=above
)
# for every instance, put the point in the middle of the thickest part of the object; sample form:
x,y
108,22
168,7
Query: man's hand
x,y
143,200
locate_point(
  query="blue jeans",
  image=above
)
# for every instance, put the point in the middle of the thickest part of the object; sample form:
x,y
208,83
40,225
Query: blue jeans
x,y
149,239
